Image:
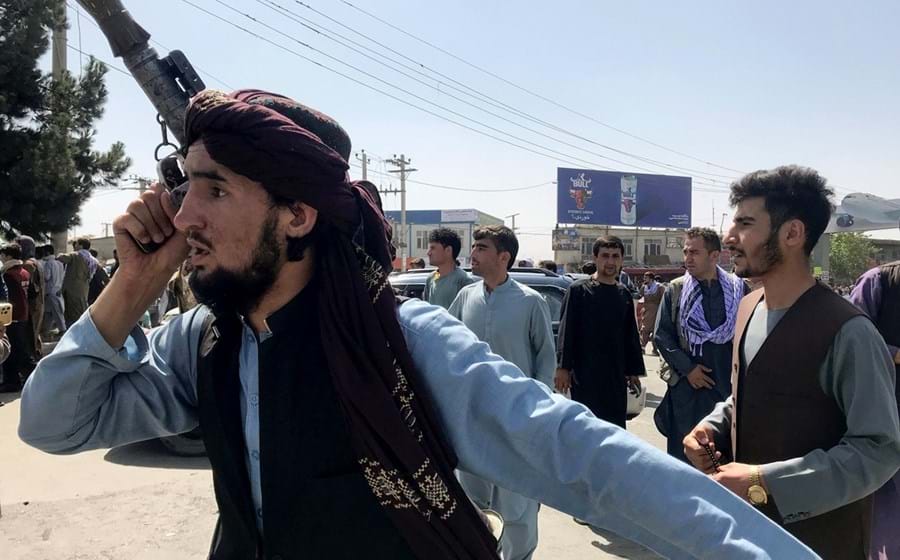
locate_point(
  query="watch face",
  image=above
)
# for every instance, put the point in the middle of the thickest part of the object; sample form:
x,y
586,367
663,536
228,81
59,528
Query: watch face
x,y
757,495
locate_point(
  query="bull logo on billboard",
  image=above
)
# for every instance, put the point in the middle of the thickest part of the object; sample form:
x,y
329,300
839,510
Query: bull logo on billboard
x,y
580,190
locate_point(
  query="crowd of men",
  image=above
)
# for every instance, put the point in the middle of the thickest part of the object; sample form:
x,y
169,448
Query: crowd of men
x,y
47,293
833,418
343,422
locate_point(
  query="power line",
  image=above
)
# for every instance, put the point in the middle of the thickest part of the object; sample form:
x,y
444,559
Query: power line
x,y
100,60
505,189
463,189
373,88
559,156
539,96
465,89
713,188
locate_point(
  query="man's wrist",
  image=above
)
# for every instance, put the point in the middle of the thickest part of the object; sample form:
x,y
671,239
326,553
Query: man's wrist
x,y
120,306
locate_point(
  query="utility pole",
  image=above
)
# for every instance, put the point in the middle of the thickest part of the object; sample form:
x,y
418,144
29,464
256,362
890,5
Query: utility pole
x,y
364,159
106,226
402,162
513,218
60,239
143,184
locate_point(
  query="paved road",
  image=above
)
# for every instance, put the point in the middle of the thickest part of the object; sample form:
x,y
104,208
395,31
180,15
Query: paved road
x,y
139,503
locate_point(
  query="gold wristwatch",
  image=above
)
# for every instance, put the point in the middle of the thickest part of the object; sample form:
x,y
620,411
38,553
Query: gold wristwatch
x,y
756,493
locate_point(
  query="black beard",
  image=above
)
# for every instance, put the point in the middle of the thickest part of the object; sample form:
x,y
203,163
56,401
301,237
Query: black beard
x,y
771,257
228,291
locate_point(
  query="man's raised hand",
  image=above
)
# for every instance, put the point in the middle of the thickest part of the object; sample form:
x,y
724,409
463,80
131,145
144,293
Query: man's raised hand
x,y
149,218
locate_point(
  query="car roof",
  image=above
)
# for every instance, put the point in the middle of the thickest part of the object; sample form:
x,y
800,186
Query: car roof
x,y
528,276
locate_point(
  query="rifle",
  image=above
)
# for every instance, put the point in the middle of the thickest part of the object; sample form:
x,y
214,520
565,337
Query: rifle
x,y
168,83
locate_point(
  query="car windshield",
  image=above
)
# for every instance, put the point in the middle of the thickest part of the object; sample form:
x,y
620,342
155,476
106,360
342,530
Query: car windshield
x,y
554,298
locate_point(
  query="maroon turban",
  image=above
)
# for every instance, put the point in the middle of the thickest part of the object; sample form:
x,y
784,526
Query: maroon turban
x,y
300,154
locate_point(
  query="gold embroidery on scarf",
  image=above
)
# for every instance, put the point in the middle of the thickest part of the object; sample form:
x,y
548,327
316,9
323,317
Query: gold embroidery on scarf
x,y
392,490
404,396
435,491
426,492
373,274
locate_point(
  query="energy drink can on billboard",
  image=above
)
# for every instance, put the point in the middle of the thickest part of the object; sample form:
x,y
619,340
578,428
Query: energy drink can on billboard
x,y
628,200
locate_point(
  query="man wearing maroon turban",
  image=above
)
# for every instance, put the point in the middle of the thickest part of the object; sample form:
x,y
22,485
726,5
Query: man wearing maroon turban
x,y
334,414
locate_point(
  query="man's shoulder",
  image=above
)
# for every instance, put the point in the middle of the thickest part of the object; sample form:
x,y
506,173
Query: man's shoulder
x,y
624,291
188,327
527,292
463,277
580,284
858,336
858,327
472,288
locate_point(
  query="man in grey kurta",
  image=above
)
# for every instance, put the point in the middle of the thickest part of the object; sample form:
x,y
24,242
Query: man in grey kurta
x,y
443,289
815,471
515,322
442,285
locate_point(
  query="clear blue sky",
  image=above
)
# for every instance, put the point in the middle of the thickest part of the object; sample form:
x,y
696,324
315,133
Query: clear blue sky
x,y
742,85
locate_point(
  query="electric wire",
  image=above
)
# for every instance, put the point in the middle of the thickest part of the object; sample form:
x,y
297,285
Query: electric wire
x,y
537,95
558,155
100,60
464,89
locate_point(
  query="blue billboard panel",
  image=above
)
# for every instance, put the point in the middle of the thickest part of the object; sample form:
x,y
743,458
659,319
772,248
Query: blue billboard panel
x,y
615,198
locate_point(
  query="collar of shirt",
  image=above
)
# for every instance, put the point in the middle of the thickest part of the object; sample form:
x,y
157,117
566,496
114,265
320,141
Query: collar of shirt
x,y
299,312
506,286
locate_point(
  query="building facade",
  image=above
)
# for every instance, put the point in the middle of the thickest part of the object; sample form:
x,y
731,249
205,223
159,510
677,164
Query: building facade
x,y
420,224
886,250
572,246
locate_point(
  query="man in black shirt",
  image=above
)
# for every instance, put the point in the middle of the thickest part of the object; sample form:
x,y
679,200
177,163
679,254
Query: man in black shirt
x,y
599,346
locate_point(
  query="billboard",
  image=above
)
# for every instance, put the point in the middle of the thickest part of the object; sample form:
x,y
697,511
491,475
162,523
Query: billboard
x,y
615,198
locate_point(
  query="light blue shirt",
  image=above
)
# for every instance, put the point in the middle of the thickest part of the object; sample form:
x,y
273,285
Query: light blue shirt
x,y
503,426
53,275
249,374
515,322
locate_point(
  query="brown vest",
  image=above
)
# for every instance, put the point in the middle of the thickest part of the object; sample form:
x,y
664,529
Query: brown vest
x,y
781,412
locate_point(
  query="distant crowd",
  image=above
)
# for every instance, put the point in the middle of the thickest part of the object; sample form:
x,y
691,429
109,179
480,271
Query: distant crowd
x,y
47,292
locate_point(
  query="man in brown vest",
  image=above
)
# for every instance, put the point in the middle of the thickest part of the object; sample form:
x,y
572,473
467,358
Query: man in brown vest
x,y
877,292
811,427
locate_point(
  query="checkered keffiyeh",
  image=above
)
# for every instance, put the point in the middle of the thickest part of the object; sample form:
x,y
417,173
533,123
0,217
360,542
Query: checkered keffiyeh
x,y
692,319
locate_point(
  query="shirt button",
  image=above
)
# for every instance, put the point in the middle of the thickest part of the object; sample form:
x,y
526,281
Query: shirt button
x,y
254,399
250,338
259,512
255,455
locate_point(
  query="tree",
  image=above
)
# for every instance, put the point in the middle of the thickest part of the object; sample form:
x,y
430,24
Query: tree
x,y
48,166
850,254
